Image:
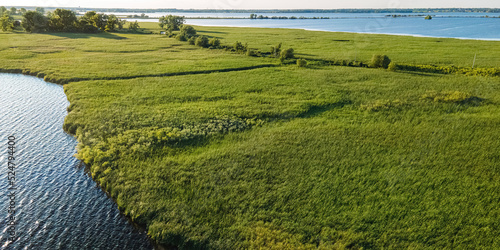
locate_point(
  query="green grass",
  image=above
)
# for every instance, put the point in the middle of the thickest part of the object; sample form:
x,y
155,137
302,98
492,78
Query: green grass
x,y
67,55
285,157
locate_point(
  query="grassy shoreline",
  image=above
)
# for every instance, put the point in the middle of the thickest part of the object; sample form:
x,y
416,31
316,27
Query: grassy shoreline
x,y
282,157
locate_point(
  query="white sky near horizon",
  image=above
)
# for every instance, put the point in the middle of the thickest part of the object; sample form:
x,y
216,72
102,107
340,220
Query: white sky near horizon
x,y
256,4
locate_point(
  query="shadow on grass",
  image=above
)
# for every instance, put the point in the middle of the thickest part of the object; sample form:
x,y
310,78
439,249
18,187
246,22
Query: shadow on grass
x,y
88,35
419,73
319,109
217,32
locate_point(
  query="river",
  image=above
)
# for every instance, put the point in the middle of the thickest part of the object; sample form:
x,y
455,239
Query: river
x,y
449,25
56,204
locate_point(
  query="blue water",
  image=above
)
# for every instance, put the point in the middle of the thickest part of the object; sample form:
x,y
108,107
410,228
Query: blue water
x,y
58,206
450,25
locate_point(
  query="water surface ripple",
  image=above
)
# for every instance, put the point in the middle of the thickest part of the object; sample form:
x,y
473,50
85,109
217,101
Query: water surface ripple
x,y
58,206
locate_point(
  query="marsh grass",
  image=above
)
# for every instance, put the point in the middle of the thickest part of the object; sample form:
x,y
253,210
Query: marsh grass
x,y
283,157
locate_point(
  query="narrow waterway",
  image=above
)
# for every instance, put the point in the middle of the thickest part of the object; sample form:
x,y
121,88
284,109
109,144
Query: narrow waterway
x,y
56,205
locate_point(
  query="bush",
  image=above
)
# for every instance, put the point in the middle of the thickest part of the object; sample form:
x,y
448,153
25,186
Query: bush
x,y
187,31
276,50
301,63
201,41
192,40
392,66
214,42
380,61
239,47
181,37
286,54
251,52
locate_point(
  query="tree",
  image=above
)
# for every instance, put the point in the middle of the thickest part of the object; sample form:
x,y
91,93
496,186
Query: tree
x,y
6,22
2,10
34,22
86,23
112,23
133,26
171,22
40,10
22,11
13,10
62,20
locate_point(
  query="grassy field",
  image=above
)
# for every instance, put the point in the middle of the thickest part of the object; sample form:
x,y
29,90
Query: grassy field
x,y
284,157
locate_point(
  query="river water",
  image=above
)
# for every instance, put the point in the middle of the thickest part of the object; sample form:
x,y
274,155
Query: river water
x,y
450,25
57,205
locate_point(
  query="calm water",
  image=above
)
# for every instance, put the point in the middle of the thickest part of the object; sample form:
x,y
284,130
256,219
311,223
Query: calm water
x,y
57,205
452,25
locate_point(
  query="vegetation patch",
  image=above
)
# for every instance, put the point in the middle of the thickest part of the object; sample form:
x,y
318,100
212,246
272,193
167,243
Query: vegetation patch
x,y
457,97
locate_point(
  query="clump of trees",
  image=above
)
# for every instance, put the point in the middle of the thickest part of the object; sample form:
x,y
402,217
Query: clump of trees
x,y
62,20
34,22
380,61
171,23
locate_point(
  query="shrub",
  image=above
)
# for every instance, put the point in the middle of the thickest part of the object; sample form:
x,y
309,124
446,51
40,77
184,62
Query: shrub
x,y
201,41
188,31
380,61
214,42
192,40
181,37
286,54
301,63
392,66
276,50
133,26
239,47
251,52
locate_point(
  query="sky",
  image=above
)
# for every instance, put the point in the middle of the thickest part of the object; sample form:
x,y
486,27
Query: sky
x,y
257,4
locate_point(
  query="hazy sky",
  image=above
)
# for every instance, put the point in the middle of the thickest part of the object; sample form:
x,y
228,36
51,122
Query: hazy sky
x,y
256,4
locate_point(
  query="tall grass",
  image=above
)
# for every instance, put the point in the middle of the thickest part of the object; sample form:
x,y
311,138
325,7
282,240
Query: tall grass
x,y
283,157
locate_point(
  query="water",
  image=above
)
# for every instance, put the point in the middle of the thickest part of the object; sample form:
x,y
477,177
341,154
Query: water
x,y
450,25
58,206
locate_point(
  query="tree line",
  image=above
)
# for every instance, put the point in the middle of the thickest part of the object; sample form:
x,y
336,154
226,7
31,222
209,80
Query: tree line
x,y
63,20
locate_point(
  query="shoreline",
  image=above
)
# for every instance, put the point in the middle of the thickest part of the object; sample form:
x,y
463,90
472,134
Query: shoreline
x,y
351,32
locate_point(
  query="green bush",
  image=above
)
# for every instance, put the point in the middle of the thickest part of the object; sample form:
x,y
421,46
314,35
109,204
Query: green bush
x,y
301,63
380,61
251,52
286,54
201,41
214,42
181,37
239,47
187,31
192,40
276,50
392,66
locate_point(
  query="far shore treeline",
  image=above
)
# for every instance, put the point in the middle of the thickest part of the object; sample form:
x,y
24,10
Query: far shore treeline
x,y
61,20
